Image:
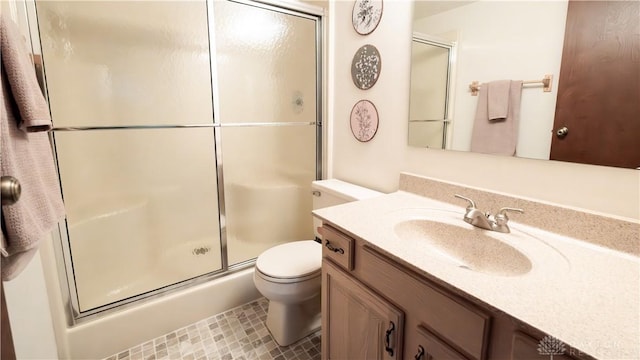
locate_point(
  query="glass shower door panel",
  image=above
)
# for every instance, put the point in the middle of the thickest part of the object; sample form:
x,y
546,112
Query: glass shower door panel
x,y
122,63
266,64
142,209
428,98
268,173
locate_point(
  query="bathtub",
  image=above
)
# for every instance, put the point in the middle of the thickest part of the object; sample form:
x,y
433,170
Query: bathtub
x,y
135,323
99,231
122,247
155,258
118,252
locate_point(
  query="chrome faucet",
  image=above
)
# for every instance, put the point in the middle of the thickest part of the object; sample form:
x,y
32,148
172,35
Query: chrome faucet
x,y
487,221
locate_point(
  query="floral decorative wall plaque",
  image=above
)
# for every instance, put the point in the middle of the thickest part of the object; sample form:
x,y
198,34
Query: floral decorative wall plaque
x,y
366,15
365,67
364,120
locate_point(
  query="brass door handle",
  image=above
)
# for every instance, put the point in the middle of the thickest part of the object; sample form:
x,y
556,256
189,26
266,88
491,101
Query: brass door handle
x,y
10,190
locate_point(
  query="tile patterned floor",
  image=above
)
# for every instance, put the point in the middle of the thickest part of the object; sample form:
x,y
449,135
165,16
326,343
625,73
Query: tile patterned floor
x,y
237,334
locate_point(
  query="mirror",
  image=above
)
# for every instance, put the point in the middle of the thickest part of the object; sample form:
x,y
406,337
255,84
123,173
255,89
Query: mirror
x,y
496,40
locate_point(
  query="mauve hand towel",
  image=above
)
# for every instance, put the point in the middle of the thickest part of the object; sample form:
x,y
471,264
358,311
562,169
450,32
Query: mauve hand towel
x,y
25,153
498,136
498,99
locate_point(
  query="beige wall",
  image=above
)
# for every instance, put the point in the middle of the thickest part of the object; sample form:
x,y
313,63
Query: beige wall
x,y
377,164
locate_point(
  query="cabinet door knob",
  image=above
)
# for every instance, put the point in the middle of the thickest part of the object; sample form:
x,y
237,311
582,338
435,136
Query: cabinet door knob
x,y
387,339
420,354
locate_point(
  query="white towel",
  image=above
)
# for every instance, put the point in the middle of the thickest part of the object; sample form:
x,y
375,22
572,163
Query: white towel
x,y
495,128
25,154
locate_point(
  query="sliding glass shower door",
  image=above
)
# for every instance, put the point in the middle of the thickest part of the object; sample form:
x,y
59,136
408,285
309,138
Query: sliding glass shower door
x,y
126,80
267,107
157,189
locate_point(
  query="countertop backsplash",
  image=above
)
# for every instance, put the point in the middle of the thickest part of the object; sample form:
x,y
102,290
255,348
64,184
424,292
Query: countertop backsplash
x,y
614,233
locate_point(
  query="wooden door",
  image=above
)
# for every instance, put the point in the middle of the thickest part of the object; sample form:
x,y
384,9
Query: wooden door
x,y
599,85
356,322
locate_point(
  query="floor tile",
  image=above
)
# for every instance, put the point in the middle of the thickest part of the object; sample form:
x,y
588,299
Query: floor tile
x,y
236,334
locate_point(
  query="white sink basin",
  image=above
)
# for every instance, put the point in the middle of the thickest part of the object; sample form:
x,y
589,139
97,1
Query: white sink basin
x,y
446,236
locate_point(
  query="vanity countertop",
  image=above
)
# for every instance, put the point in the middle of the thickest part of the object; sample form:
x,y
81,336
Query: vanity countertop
x,y
588,296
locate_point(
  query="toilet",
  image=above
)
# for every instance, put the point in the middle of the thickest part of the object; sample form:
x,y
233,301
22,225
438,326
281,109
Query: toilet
x,y
289,275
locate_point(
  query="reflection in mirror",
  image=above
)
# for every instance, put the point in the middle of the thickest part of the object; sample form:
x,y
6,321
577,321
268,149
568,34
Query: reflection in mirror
x,y
499,40
525,40
431,61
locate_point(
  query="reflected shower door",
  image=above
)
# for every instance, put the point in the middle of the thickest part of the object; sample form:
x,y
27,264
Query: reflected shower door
x,y
267,63
429,94
140,189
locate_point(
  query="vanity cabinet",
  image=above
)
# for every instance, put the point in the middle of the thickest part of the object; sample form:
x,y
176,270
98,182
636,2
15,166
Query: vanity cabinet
x,y
372,303
527,347
359,323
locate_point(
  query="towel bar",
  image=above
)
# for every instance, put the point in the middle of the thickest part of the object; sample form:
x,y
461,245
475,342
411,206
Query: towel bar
x,y
546,84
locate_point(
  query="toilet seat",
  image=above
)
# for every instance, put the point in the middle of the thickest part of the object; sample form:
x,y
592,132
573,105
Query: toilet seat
x,y
288,280
290,262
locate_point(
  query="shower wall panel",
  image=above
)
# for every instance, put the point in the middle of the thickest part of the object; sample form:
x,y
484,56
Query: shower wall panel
x,y
267,174
266,65
120,63
141,207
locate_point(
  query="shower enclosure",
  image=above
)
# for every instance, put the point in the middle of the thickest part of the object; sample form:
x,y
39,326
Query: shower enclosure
x,y
186,137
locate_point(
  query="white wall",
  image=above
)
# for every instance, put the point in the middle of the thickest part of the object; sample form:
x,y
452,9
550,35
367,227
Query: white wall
x,y
377,164
29,313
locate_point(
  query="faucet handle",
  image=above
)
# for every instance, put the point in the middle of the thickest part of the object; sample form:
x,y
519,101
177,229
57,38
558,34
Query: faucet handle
x,y
502,218
472,204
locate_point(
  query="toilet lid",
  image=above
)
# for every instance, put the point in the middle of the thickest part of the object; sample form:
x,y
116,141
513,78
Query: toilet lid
x,y
291,260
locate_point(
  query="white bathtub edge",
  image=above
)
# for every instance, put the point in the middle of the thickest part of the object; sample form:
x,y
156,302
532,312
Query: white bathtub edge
x,y
121,330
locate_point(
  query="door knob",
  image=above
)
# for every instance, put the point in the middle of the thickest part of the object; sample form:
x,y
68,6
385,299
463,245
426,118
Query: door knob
x,y
562,132
10,190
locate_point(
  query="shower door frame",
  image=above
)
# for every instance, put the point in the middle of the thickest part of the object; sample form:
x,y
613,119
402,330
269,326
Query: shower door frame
x,y
451,47
61,237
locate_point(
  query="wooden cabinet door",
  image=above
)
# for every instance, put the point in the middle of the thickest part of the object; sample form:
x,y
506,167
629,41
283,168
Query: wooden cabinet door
x,y
525,347
356,322
430,347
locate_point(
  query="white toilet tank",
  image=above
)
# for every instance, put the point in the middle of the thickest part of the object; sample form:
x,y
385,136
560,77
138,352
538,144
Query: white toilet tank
x,y
335,192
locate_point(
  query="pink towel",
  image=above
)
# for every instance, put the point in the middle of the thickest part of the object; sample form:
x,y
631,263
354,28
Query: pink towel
x,y
498,99
25,155
495,128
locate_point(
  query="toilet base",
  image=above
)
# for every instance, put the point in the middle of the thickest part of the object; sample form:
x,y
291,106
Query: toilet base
x,y
289,323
